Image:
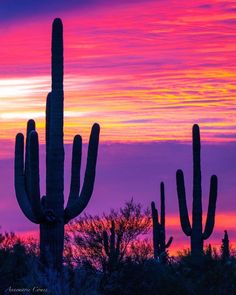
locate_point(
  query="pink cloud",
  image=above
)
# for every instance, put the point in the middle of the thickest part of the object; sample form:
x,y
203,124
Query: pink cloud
x,y
137,69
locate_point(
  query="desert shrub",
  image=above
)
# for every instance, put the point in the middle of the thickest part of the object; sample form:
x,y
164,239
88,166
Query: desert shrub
x,y
213,275
14,265
149,277
85,236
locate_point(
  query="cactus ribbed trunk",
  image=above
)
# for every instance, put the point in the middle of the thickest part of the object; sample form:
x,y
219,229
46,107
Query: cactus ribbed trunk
x,y
49,211
196,237
155,231
163,217
52,234
52,244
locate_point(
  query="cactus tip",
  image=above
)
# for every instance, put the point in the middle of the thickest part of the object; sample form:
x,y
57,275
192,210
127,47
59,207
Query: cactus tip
x,y
196,132
153,205
179,173
77,138
96,127
196,127
31,124
214,177
162,186
19,135
57,21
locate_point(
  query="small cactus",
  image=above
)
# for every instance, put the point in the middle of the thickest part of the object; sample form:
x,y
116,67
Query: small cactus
x,y
225,252
112,247
195,231
159,231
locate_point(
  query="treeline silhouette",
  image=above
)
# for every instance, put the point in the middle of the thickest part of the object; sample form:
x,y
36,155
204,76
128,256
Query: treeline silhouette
x,y
114,254
111,254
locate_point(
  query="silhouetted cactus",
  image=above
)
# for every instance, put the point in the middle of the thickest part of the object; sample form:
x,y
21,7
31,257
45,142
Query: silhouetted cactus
x,y
112,247
195,231
48,211
225,252
159,231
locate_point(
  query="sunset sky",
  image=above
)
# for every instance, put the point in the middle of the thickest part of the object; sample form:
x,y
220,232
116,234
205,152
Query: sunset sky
x,y
145,71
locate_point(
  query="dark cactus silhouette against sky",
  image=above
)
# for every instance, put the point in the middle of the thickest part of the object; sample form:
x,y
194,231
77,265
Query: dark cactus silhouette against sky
x,y
48,211
146,71
195,230
159,230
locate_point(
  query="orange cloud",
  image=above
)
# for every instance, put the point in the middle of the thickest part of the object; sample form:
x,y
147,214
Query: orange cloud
x,y
144,74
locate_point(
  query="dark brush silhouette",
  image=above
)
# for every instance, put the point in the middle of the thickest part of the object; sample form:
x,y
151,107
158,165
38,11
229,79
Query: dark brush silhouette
x,y
225,252
208,251
112,245
159,230
49,211
124,228
20,268
195,231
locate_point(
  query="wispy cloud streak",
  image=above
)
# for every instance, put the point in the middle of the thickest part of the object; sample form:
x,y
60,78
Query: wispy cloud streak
x,y
145,72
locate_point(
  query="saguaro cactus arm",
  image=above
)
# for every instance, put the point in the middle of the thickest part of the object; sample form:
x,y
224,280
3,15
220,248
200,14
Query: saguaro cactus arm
x,y
47,121
183,209
156,231
30,127
21,195
79,203
75,170
210,222
27,181
162,221
169,242
34,191
90,171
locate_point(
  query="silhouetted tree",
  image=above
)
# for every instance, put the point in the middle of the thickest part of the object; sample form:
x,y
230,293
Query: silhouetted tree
x,y
101,240
141,250
14,256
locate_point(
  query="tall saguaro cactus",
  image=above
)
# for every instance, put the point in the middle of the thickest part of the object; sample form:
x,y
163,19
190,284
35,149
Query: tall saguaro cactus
x,y
49,211
195,231
159,230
